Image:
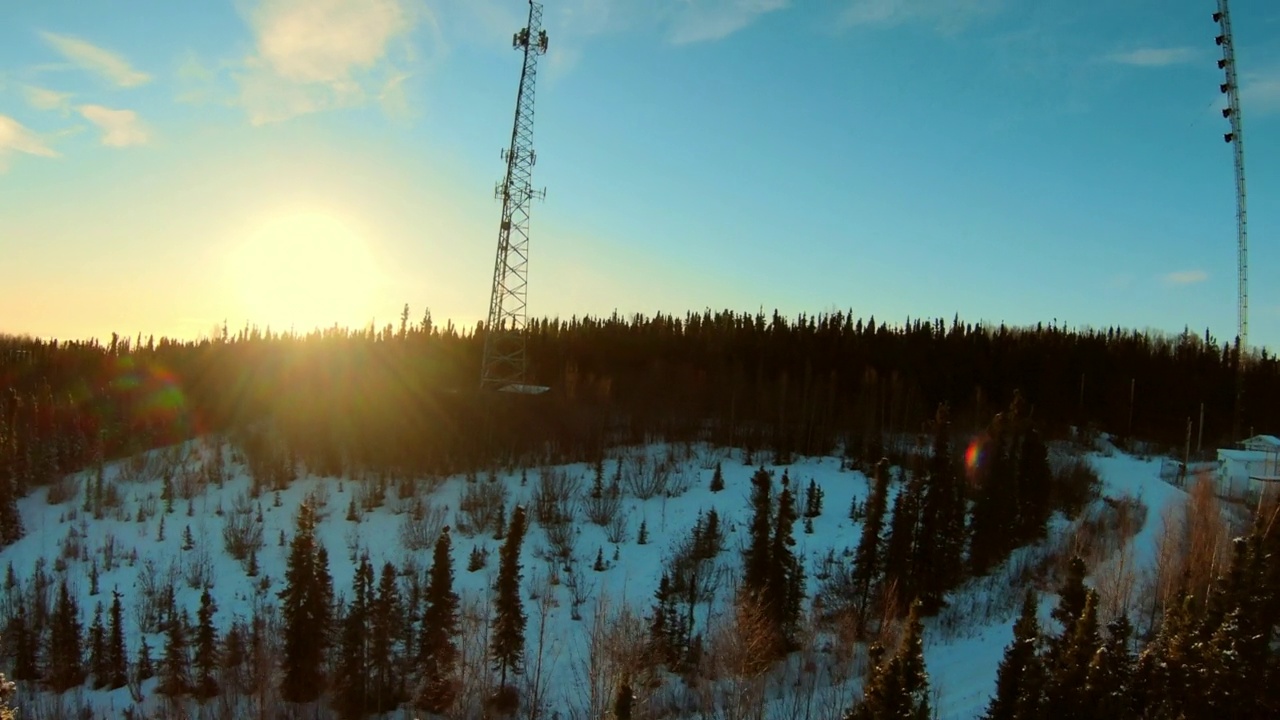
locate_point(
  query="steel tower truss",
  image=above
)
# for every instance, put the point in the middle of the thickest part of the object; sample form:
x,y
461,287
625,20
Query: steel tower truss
x,y
504,362
1231,88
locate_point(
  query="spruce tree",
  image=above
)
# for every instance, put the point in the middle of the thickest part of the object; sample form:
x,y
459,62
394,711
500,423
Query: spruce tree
x,y
507,642
1020,677
778,599
206,684
1071,602
899,686
66,654
117,655
437,650
306,603
900,545
937,560
97,649
1034,478
717,480
1107,688
755,560
146,670
25,644
1070,669
866,559
351,697
175,676
384,628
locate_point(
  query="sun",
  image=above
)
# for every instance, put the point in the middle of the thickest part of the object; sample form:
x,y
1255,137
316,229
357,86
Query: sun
x,y
304,270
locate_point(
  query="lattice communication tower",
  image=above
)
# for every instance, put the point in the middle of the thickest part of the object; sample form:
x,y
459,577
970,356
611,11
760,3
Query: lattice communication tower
x,y
1231,88
504,363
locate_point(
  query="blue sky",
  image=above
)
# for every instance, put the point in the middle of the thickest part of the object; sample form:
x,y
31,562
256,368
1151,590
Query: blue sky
x,y
1006,160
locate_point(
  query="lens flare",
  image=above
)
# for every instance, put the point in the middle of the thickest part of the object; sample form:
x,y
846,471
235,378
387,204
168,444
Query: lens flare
x,y
973,456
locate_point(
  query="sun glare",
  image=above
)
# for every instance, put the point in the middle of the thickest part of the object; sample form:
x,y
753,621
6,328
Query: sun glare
x,y
302,271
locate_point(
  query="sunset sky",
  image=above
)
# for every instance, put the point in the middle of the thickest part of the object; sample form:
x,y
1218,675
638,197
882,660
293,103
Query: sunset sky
x,y
166,166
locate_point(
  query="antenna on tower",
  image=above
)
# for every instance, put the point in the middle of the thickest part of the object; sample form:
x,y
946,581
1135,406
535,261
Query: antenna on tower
x,y
504,363
1231,88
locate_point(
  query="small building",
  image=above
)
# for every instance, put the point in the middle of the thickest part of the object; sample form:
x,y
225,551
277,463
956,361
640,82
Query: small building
x,y
1262,443
1244,472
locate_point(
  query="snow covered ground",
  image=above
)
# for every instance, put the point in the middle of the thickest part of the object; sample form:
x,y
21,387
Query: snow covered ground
x,y
962,666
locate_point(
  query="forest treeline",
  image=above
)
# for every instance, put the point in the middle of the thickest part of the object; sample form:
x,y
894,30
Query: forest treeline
x,y
405,400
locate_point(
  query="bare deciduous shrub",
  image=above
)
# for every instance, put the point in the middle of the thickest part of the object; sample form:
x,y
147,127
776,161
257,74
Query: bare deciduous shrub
x,y
555,498
645,478
242,534
481,507
603,506
560,542
609,655
155,587
421,525
616,531
61,490
198,568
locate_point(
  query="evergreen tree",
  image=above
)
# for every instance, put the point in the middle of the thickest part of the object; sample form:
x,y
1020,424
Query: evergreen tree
x,y
1020,677
25,645
206,685
717,480
897,687
937,560
351,698
11,529
507,643
866,559
146,670
438,650
1071,602
1068,674
97,649
755,559
117,655
175,676
1107,688
900,545
779,601
384,628
66,654
306,604
1034,478
995,509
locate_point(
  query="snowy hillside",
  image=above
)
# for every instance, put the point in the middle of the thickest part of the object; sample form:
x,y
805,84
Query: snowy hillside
x,y
150,534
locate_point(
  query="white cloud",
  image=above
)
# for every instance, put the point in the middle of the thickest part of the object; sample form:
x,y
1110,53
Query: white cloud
x,y
96,60
14,137
1154,57
944,15
317,54
1186,277
120,128
44,99
708,20
1260,93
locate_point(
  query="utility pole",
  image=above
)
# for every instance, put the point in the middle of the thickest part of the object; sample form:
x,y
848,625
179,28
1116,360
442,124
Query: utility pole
x,y
504,363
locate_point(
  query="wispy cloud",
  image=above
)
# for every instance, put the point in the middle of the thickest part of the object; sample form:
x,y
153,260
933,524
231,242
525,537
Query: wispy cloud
x,y
1154,57
316,54
710,20
15,137
120,128
96,60
1186,277
944,15
45,99
1260,92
